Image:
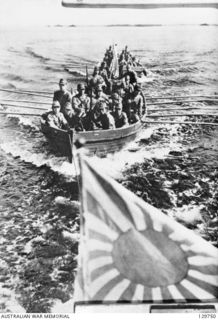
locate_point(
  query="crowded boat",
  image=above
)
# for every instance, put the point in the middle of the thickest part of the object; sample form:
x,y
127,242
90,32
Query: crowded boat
x,y
111,98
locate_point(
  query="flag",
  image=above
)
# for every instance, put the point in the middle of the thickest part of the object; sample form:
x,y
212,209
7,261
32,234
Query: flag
x,y
114,66
131,251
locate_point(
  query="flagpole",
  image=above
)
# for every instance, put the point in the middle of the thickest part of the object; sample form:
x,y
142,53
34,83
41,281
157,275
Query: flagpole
x,y
83,259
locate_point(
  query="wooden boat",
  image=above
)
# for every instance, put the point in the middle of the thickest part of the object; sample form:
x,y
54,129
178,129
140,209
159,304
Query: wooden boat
x,y
98,142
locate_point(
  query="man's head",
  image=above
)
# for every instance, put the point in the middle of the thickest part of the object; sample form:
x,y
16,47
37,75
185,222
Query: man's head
x,y
118,108
127,78
99,90
96,70
116,99
81,88
128,67
137,89
68,110
63,84
56,107
103,107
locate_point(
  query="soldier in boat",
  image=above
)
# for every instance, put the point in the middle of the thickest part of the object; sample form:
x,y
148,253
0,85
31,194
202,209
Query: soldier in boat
x,y
81,100
115,101
131,73
96,79
62,95
128,88
100,96
137,101
104,73
55,118
105,120
75,117
120,117
133,117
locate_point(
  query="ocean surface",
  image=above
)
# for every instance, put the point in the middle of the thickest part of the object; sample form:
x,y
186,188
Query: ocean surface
x,y
173,167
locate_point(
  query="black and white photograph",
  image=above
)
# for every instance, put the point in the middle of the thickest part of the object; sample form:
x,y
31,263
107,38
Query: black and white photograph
x,y
109,157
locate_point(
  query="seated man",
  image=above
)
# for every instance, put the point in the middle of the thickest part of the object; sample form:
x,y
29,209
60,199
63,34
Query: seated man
x,y
133,117
105,120
69,114
55,118
132,74
96,79
100,96
75,117
115,101
137,101
62,95
127,88
81,100
120,117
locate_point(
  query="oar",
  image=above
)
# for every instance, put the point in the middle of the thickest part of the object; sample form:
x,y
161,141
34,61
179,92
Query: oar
x,y
180,122
180,115
182,97
21,114
25,101
24,107
26,92
179,102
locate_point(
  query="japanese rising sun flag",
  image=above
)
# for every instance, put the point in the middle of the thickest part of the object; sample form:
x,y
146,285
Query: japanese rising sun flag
x,y
131,251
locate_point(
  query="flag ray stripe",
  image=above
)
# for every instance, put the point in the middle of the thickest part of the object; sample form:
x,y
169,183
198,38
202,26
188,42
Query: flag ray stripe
x,y
148,220
101,214
95,235
111,208
212,279
187,293
156,294
167,229
157,226
127,295
181,238
100,295
99,226
99,253
99,262
139,293
166,295
212,269
102,281
100,271
175,293
203,261
198,249
96,245
117,290
138,218
133,211
199,293
212,289
147,294
102,184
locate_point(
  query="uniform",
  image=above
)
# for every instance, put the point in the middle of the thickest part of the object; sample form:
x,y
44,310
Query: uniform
x,y
120,120
62,97
56,120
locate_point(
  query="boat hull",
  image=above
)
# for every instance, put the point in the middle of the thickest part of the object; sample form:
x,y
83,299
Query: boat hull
x,y
98,142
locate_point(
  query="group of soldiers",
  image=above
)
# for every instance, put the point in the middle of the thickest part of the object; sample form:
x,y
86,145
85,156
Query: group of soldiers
x,y
102,104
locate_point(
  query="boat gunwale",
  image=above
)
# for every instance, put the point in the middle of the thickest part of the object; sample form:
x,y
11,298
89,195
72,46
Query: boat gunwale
x,y
131,129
